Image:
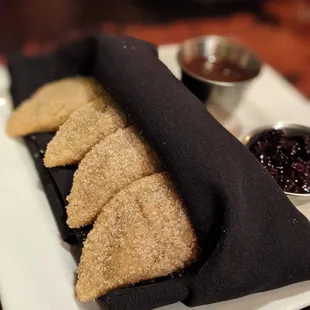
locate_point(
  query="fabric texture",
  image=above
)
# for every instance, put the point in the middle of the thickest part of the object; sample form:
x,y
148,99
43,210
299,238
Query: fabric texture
x,y
253,239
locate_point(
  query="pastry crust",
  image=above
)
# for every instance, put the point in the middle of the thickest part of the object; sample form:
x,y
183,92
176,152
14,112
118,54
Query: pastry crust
x,y
141,234
51,104
84,128
111,165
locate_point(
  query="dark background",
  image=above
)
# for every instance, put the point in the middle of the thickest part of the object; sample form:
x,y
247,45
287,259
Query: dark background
x,y
277,30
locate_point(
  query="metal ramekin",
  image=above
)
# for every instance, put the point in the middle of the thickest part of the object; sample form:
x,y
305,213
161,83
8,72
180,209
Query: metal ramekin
x,y
295,129
228,94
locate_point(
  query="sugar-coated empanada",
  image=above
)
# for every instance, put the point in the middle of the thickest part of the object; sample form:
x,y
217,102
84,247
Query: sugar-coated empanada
x,y
112,164
51,104
141,234
83,129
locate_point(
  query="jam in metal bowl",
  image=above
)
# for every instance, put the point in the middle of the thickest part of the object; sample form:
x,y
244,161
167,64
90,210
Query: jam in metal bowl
x,y
284,151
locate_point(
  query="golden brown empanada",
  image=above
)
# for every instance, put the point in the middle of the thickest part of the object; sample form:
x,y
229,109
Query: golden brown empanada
x,y
141,234
83,129
112,164
51,104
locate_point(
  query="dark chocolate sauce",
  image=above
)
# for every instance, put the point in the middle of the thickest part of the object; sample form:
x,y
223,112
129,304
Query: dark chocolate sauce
x,y
217,70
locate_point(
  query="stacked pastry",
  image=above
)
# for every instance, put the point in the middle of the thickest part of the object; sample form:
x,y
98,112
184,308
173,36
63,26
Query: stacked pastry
x,y
140,227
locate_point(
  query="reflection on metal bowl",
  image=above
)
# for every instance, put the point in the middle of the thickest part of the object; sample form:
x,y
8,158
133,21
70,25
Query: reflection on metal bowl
x,y
217,70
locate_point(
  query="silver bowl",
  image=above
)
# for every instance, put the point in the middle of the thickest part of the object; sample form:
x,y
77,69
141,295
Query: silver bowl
x,y
221,48
291,129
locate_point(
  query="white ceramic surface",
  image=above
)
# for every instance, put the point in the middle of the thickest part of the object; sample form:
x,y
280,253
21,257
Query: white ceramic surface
x,y
37,270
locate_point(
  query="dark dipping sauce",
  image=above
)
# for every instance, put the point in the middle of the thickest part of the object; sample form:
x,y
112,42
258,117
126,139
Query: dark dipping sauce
x,y
217,70
286,158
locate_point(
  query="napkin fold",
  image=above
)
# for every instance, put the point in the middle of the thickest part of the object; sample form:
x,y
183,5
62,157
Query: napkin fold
x,y
252,238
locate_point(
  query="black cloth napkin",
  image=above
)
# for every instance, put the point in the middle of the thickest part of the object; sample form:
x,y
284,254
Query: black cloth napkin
x,y
253,239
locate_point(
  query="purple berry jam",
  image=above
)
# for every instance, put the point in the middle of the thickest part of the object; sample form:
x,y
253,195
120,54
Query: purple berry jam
x,y
286,158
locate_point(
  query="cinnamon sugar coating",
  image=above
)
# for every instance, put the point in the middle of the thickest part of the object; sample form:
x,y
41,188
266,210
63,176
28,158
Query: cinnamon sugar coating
x,y
51,104
83,129
141,234
115,162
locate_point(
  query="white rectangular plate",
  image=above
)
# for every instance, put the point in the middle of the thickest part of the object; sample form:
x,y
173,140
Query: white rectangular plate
x,y
37,270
